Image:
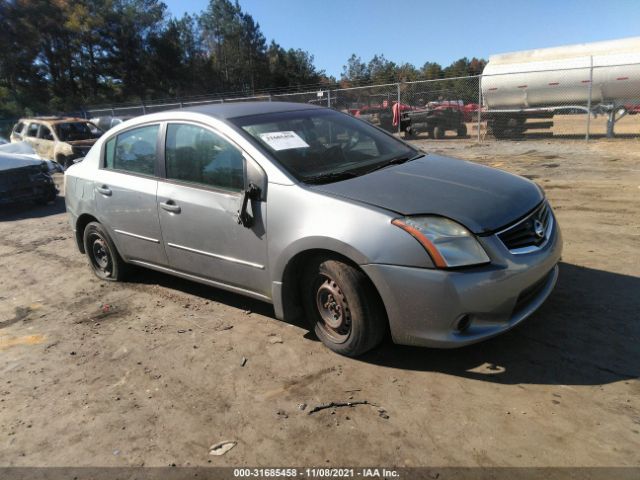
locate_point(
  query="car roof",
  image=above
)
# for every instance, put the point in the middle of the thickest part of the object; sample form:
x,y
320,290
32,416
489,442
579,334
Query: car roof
x,y
53,120
244,109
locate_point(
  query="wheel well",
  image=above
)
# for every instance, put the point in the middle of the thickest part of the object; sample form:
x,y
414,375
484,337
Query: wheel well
x,y
292,280
81,223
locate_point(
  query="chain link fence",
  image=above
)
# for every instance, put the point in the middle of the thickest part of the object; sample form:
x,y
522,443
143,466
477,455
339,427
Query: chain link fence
x,y
579,103
537,104
319,97
441,109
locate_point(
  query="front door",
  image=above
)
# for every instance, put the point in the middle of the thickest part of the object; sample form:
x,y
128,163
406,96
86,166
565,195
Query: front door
x,y
198,204
125,192
31,136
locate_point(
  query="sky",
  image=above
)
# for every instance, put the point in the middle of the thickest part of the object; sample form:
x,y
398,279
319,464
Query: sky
x,y
417,31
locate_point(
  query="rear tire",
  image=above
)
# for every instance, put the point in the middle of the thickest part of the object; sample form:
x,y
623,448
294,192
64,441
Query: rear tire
x,y
438,132
408,133
462,130
103,257
342,307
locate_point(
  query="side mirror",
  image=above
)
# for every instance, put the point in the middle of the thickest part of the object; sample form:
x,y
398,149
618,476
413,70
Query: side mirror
x,y
257,177
242,217
256,191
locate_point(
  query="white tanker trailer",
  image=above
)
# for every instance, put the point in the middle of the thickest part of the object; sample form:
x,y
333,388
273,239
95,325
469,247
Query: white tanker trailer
x,y
600,77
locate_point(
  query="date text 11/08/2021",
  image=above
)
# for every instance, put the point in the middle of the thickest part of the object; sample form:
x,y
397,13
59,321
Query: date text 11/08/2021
x,y
315,472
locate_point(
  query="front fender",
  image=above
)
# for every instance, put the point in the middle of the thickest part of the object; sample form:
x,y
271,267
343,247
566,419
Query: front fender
x,y
302,220
316,243
62,149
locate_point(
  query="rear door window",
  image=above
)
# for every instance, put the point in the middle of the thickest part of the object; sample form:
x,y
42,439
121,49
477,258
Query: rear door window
x,y
133,151
70,131
32,131
45,133
196,155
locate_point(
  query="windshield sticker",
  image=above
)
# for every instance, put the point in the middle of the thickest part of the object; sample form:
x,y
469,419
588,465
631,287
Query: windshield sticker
x,y
283,140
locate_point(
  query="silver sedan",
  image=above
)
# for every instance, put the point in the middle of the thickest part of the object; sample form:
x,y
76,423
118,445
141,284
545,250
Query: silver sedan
x,y
322,215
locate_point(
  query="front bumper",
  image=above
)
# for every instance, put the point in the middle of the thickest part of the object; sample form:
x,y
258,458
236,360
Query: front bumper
x,y
23,184
424,306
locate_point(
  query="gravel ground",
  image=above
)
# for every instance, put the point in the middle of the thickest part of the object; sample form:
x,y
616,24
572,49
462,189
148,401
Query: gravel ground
x,y
156,370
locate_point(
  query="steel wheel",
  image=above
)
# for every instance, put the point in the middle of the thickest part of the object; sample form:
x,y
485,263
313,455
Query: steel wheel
x,y
100,254
333,308
342,306
104,259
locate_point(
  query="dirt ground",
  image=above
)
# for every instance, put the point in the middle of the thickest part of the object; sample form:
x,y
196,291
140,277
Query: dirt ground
x,y
576,126
150,372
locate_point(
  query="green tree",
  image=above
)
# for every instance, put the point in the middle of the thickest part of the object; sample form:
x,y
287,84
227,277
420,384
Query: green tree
x,y
58,55
431,71
129,25
355,71
381,70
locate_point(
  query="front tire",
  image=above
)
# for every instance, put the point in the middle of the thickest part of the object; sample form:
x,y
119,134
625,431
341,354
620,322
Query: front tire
x,y
103,257
438,132
343,308
62,161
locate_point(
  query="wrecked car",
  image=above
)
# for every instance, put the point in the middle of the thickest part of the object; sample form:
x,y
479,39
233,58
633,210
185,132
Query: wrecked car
x,y
61,139
322,215
26,150
25,179
108,122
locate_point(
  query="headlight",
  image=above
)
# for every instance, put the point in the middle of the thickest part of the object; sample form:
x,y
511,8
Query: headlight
x,y
448,243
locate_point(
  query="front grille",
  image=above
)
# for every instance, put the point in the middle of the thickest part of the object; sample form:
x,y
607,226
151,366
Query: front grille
x,y
21,183
523,236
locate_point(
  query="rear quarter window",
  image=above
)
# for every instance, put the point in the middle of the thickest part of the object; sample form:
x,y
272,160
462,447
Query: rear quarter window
x,y
110,149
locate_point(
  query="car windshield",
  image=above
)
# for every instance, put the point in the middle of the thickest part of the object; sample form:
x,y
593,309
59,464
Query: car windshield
x,y
323,144
77,131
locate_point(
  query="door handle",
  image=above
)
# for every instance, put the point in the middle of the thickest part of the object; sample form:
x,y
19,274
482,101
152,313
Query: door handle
x,y
170,206
104,190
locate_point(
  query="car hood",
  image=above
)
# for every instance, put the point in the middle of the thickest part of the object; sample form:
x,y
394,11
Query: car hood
x,y
9,161
483,199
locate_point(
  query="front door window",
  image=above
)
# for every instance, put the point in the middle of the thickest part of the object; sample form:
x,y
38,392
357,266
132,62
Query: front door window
x,y
197,155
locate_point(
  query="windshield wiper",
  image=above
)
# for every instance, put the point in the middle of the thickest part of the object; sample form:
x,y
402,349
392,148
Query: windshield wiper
x,y
395,161
329,177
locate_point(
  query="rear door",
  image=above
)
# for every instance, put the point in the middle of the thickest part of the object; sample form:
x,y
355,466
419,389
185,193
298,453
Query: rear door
x,y
198,205
46,142
126,187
